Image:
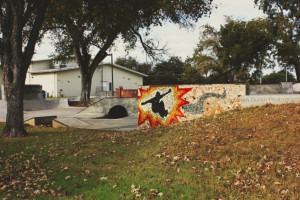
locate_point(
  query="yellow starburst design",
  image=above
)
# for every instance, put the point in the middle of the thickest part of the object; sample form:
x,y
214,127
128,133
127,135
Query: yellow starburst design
x,y
161,105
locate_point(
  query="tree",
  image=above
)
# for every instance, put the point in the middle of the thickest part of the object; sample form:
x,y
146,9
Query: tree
x,y
230,54
285,18
205,63
168,72
245,46
20,25
133,64
277,77
91,24
192,75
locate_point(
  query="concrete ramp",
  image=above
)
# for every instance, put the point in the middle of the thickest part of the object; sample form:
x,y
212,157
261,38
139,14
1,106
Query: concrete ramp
x,y
69,122
37,121
102,107
41,104
57,103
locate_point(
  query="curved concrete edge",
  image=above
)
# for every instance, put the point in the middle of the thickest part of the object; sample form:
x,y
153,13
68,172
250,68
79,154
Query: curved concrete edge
x,y
91,109
57,103
90,115
38,104
41,104
102,107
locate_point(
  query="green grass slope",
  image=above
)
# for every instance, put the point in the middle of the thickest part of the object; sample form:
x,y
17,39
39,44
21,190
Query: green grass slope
x,y
243,154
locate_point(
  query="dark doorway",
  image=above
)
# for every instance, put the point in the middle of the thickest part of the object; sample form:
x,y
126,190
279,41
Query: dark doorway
x,y
117,112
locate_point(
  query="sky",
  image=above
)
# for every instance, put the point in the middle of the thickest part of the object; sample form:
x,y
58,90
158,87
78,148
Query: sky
x,y
179,41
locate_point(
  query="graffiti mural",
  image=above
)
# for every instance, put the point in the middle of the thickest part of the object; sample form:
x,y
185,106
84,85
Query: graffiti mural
x,y
161,105
198,107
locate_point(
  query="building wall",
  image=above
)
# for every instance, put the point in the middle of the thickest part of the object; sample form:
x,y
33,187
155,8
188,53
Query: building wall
x,y
46,80
96,81
1,77
68,83
122,78
164,105
1,85
40,65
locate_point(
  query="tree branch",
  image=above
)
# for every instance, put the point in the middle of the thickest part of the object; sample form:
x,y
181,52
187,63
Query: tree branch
x,y
78,56
150,50
34,34
102,52
1,14
27,13
297,16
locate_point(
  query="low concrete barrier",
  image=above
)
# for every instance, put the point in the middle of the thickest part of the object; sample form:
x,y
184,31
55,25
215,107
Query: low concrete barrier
x,y
296,88
38,104
259,100
264,89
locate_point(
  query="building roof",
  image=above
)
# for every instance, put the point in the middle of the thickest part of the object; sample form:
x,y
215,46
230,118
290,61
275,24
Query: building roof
x,y
72,67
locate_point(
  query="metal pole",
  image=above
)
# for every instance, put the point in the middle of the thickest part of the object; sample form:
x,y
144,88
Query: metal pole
x,y
112,75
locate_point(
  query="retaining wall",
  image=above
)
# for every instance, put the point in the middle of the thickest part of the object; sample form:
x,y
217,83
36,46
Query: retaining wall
x,y
282,88
164,105
264,89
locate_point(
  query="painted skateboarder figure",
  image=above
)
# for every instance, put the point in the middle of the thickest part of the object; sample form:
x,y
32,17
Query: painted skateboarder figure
x,y
158,106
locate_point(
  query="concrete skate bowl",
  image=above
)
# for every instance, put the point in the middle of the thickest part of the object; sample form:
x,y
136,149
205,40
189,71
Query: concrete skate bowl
x,y
42,104
38,104
111,107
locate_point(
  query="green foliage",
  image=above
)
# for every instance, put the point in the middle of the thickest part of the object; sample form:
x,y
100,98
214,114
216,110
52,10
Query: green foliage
x,y
285,18
133,64
277,77
167,72
229,55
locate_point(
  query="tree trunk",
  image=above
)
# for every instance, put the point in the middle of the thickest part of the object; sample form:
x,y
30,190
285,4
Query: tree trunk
x,y
14,84
86,82
16,56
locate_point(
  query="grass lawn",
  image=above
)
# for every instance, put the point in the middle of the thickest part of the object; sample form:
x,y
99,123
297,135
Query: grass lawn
x,y
243,154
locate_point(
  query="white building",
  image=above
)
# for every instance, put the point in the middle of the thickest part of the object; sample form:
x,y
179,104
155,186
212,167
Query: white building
x,y
1,85
65,80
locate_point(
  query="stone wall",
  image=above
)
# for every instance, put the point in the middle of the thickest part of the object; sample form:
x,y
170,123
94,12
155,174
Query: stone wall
x,y
164,105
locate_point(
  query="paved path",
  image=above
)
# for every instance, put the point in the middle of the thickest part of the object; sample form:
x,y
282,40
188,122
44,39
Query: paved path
x,y
68,116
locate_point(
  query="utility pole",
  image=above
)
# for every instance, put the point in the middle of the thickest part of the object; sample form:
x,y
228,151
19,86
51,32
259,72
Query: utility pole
x,y
112,74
